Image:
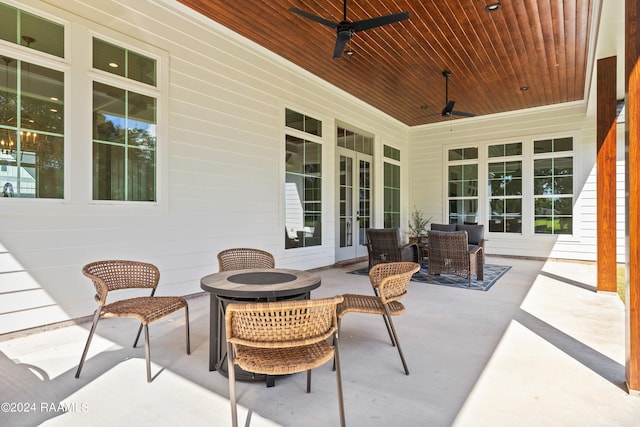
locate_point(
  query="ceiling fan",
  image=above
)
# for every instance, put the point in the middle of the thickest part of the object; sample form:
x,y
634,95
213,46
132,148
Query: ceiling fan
x,y
345,28
448,110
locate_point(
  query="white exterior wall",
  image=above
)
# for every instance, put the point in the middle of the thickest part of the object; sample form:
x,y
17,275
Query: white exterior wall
x,y
221,161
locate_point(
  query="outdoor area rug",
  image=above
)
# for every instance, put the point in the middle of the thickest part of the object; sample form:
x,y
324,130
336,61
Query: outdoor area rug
x,y
492,273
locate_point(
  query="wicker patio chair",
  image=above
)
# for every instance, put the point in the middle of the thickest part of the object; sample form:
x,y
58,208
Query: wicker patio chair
x,y
243,258
450,253
114,275
278,338
389,282
385,245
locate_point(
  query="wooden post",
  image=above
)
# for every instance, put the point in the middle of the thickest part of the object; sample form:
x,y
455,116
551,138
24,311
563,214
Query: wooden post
x,y
606,169
632,173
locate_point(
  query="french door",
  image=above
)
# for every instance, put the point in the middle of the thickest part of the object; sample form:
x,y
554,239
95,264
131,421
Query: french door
x,y
354,203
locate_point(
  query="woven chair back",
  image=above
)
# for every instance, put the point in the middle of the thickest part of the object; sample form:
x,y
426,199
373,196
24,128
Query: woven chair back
x,y
111,275
281,324
244,258
391,279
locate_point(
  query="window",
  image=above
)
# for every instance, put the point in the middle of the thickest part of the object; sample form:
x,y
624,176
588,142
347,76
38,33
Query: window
x,y
553,186
31,109
463,185
124,126
505,188
391,187
355,141
123,62
303,181
31,31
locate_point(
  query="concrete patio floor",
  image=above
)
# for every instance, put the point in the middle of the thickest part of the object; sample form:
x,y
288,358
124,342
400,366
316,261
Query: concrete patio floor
x,y
540,348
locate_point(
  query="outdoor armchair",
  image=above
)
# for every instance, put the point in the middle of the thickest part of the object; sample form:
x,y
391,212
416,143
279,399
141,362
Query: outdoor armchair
x,y
278,338
450,253
244,258
114,275
389,282
385,245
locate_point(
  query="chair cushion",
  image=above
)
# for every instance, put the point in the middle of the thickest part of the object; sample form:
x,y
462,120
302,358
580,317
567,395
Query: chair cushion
x,y
443,227
475,232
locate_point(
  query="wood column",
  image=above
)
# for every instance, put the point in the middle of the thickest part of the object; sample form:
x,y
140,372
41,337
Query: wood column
x,y
632,173
606,169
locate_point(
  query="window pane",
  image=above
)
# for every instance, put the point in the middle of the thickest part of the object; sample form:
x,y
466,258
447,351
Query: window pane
x,y
513,169
563,185
470,188
108,172
471,153
41,34
109,113
563,166
563,144
470,171
543,167
513,187
544,146
294,120
563,205
455,173
455,154
108,57
496,150
141,167
141,121
8,23
141,68
9,88
496,188
42,99
514,149
496,170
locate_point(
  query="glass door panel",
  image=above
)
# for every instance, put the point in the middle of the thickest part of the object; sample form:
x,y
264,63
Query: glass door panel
x,y
354,203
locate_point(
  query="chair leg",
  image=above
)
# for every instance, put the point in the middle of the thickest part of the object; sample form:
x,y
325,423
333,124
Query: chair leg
x,y
96,317
386,323
147,352
135,343
336,360
335,342
395,336
309,380
232,385
186,318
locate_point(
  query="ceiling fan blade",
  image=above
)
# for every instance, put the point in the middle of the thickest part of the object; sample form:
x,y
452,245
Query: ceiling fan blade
x,y
448,109
462,114
378,21
341,41
313,17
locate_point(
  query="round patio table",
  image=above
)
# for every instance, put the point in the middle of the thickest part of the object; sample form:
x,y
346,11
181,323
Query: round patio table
x,y
251,285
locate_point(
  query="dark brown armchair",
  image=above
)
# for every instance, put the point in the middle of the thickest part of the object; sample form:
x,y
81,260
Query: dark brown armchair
x,y
450,253
475,233
385,245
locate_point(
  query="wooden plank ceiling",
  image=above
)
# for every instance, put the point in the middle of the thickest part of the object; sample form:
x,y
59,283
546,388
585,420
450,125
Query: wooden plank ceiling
x,y
541,45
